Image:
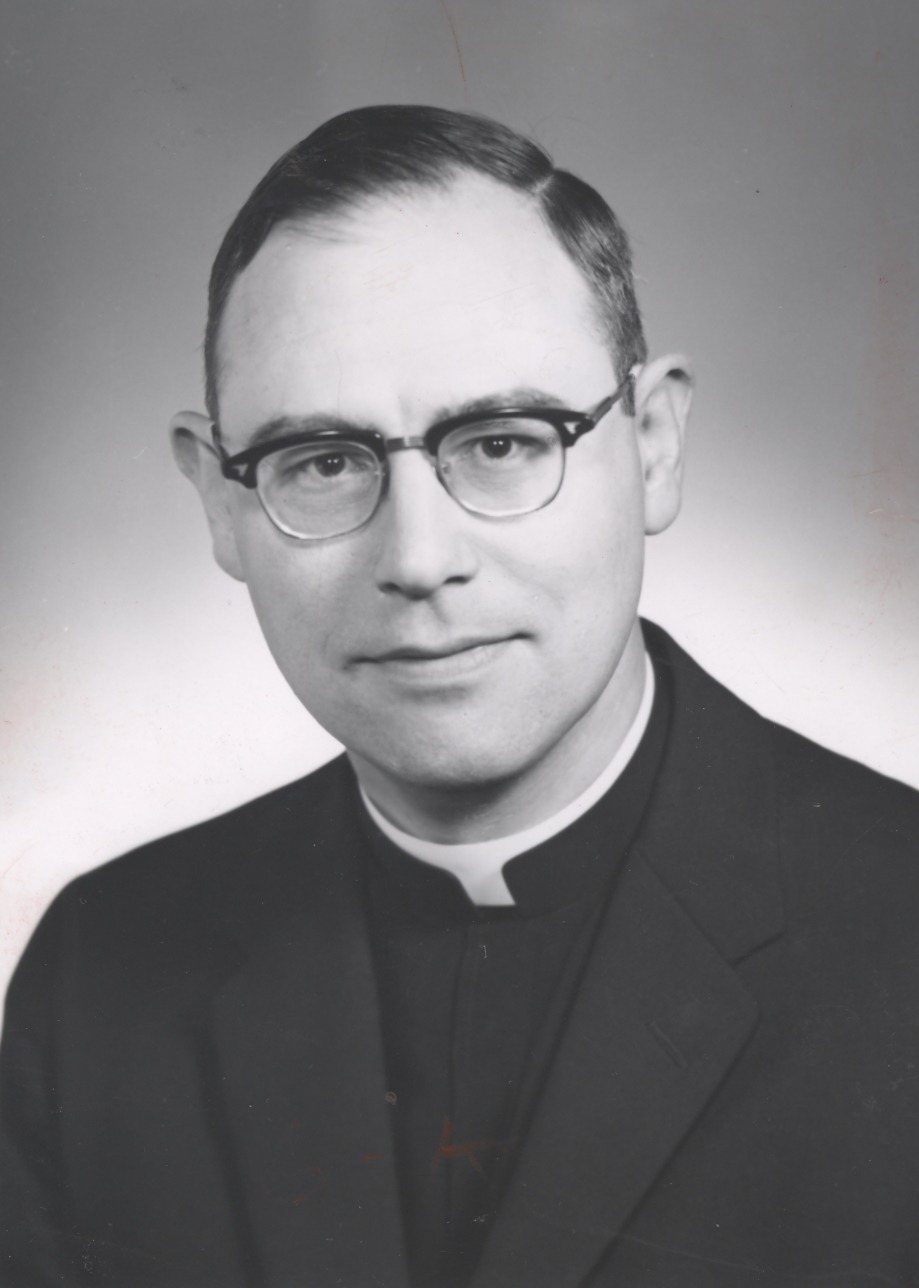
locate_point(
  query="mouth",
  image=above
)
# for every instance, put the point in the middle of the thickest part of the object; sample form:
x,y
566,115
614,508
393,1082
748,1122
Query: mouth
x,y
444,661
413,653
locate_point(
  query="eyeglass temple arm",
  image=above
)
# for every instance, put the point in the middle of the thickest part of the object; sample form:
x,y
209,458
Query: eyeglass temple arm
x,y
238,472
624,393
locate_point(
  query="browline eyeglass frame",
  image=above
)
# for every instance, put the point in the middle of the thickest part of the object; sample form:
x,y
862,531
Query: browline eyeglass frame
x,y
242,467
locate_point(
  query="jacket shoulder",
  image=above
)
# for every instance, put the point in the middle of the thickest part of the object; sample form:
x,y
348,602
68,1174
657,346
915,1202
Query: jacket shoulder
x,y
844,838
212,852
813,776
849,841
183,904
806,774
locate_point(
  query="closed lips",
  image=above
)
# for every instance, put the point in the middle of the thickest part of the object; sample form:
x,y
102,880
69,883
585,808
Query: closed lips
x,y
411,653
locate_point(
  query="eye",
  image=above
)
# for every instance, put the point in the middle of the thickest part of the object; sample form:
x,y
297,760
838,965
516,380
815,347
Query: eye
x,y
498,443
496,446
321,465
330,464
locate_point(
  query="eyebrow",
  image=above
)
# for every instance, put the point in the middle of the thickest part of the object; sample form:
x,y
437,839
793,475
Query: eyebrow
x,y
523,396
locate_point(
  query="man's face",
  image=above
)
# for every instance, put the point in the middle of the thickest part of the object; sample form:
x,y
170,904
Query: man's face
x,y
440,647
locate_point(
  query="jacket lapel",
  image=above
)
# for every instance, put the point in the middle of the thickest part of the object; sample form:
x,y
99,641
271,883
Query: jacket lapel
x,y
658,1021
296,1050
661,1014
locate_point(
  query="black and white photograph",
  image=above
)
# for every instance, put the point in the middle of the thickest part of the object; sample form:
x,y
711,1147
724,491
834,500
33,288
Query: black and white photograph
x,y
459,821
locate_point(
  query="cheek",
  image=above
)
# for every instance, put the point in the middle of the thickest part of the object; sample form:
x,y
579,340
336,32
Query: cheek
x,y
598,595
589,554
300,599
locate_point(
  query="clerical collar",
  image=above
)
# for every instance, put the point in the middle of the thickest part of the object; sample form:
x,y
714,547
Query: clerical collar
x,y
478,865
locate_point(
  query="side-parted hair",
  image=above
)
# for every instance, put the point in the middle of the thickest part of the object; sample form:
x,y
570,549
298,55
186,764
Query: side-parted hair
x,y
377,150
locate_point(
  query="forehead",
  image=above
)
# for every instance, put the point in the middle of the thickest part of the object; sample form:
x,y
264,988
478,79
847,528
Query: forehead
x,y
405,303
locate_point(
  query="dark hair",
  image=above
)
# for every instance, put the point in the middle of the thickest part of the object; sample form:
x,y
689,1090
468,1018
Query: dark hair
x,y
374,150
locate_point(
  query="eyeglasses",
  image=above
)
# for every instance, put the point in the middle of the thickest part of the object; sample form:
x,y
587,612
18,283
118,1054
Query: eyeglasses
x,y
328,482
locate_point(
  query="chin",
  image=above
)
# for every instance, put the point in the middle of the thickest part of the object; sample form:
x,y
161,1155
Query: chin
x,y
435,765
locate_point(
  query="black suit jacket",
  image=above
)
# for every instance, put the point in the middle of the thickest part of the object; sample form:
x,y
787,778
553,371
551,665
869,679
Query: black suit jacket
x,y
195,1092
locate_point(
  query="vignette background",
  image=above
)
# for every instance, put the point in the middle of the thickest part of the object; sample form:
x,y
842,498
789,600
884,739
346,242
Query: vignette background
x,y
762,155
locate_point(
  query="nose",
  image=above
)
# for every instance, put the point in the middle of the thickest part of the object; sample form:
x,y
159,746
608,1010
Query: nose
x,y
422,536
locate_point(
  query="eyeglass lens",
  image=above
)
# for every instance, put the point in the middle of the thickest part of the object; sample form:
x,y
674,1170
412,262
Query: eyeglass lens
x,y
496,468
320,489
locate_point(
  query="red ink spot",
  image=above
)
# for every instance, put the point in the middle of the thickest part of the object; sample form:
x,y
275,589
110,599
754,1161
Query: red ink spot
x,y
883,281
369,1158
469,1149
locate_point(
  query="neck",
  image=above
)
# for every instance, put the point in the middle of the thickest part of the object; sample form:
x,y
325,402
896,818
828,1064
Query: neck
x,y
483,811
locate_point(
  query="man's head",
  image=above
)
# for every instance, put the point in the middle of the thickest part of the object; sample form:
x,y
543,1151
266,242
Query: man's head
x,y
377,151
447,649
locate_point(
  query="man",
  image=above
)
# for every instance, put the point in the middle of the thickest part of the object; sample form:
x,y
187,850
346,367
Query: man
x,y
573,970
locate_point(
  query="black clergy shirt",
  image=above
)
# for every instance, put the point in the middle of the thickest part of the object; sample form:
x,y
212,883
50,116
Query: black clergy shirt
x,y
474,1000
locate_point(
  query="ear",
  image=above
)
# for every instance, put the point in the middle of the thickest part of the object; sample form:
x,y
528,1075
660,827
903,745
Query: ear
x,y
190,434
663,395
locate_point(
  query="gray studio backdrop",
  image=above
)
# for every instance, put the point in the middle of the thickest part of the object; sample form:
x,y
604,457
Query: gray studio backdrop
x,y
761,152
